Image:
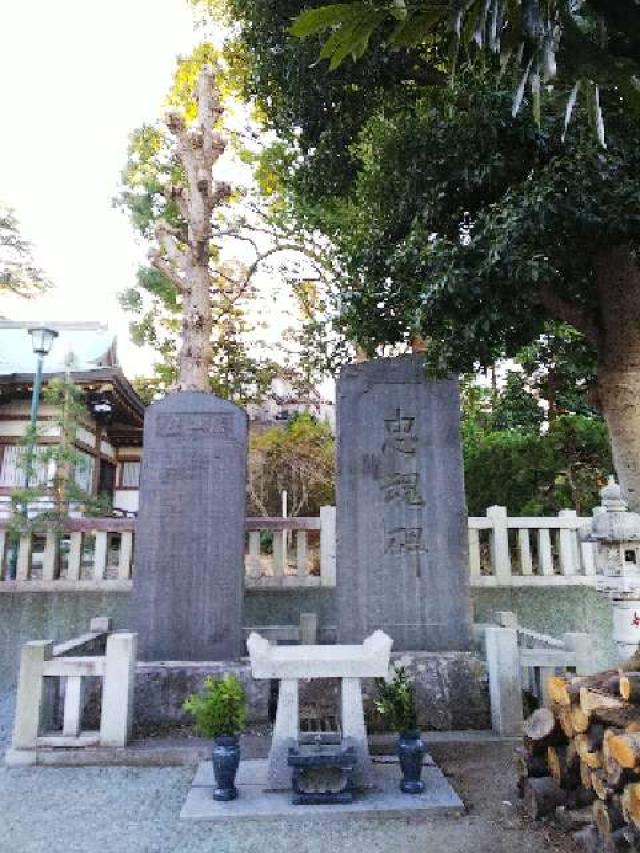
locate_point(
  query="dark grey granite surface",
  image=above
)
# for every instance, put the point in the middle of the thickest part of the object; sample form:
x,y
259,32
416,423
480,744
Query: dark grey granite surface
x,y
187,597
401,516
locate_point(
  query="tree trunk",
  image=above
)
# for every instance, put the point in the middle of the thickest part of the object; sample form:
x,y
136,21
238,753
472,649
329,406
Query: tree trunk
x,y
618,280
194,356
185,262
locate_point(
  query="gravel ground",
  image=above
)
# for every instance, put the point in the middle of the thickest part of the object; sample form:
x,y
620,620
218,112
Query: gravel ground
x,y
132,810
7,705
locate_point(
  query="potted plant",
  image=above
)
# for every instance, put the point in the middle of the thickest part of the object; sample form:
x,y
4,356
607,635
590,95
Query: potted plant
x,y
220,712
396,700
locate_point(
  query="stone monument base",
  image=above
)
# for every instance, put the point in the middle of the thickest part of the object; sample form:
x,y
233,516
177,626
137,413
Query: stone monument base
x,y
254,803
452,691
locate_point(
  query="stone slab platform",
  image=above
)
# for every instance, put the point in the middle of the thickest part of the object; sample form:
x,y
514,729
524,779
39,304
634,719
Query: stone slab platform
x,y
254,803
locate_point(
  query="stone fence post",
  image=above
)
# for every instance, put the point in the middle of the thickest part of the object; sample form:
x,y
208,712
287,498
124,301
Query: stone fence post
x,y
505,680
569,556
327,546
500,556
117,689
582,647
30,696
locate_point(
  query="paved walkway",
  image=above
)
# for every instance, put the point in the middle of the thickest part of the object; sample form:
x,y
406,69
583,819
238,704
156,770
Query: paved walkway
x,y
134,810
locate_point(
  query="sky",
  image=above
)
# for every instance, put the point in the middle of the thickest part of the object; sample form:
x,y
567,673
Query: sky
x,y
75,79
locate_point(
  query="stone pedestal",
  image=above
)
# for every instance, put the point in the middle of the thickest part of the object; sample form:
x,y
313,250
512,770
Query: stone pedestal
x,y
402,562
189,559
289,664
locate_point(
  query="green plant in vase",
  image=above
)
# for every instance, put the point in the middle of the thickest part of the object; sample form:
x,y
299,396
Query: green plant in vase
x,y
396,701
219,712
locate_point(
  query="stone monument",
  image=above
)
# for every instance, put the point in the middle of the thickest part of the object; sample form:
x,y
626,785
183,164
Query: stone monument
x,y
189,558
401,516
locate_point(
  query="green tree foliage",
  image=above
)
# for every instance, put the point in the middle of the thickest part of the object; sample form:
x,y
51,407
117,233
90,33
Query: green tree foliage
x,y
53,472
455,219
515,408
529,471
298,458
19,273
572,40
560,367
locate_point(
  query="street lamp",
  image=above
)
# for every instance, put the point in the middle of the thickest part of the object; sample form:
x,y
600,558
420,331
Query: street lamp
x,y
41,342
42,339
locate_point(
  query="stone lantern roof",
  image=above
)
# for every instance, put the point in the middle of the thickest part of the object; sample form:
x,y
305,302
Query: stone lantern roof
x,y
613,522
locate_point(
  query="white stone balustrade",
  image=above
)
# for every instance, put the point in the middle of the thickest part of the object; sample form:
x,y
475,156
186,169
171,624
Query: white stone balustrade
x,y
41,660
529,551
90,553
503,551
518,658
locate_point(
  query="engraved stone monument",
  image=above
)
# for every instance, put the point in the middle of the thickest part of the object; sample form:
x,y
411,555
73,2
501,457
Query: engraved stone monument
x,y
401,515
189,560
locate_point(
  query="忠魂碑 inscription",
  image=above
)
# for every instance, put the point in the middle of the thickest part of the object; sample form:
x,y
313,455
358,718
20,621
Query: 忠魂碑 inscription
x,y
401,519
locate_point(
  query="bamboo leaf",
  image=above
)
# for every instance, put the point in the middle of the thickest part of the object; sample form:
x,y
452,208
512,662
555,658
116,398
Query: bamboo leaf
x,y
356,37
599,117
519,94
415,28
313,21
569,108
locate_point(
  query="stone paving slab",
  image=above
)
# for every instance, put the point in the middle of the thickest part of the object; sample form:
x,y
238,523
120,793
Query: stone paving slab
x,y
254,803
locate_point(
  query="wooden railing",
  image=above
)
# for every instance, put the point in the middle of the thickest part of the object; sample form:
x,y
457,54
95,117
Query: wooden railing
x,y
298,552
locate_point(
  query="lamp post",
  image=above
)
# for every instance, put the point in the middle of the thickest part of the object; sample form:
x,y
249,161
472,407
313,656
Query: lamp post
x,y
41,341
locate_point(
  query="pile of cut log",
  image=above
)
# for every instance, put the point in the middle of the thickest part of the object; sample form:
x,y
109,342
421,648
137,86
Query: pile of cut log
x,y
580,761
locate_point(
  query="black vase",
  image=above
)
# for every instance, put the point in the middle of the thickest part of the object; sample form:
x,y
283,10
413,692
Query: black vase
x,y
226,758
411,750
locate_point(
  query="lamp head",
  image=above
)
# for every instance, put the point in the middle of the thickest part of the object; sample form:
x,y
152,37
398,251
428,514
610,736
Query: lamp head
x,y
42,339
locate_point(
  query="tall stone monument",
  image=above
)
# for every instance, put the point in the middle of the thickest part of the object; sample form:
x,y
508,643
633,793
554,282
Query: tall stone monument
x,y
189,559
402,563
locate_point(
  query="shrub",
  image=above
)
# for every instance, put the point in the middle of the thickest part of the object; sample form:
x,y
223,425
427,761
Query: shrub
x,y
396,700
220,709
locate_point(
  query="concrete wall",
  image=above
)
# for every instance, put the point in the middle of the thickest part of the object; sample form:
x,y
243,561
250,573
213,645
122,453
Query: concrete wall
x,y
554,611
53,616
60,616
283,607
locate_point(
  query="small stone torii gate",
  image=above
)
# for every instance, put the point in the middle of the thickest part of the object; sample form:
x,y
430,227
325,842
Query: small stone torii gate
x,y
291,663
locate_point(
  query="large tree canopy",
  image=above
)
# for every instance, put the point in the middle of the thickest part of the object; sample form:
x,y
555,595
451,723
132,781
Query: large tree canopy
x,y
454,219
566,41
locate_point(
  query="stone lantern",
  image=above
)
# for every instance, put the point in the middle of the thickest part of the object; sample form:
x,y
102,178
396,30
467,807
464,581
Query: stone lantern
x,y
615,533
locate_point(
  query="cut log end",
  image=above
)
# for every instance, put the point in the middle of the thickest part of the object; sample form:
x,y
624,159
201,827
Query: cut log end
x,y
540,725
